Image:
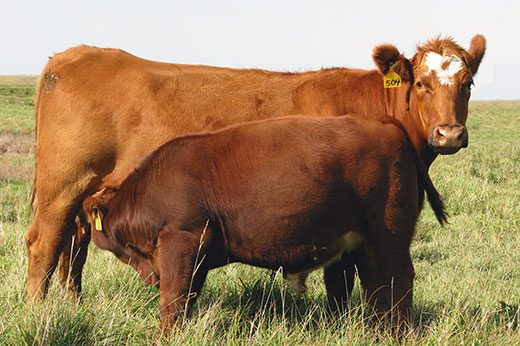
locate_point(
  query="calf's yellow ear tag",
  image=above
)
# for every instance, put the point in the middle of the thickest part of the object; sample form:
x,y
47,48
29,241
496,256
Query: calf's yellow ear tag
x,y
97,221
392,80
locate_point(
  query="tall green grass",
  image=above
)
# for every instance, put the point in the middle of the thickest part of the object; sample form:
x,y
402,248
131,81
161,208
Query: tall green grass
x,y
467,287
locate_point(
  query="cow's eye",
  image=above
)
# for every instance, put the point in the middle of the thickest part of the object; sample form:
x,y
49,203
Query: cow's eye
x,y
419,84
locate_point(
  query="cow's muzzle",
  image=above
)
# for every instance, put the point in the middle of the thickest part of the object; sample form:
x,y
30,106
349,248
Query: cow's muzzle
x,y
448,139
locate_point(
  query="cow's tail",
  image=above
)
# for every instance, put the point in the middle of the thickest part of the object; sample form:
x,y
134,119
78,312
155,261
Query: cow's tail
x,y
433,195
34,199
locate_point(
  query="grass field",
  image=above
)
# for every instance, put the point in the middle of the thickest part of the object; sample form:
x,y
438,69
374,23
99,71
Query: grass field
x,y
467,288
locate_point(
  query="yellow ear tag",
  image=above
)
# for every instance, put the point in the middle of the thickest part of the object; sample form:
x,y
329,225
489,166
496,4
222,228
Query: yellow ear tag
x,y
392,80
99,225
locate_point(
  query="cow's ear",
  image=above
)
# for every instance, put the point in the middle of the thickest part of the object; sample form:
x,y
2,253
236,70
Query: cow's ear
x,y
476,52
387,57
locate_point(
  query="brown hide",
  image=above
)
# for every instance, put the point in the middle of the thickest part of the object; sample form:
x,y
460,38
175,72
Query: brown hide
x,y
289,192
122,107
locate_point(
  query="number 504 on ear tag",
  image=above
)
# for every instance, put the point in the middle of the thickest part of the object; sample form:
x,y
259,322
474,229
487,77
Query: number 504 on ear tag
x,y
392,80
99,224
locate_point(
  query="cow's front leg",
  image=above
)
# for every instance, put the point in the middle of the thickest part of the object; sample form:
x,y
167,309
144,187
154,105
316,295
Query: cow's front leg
x,y
183,268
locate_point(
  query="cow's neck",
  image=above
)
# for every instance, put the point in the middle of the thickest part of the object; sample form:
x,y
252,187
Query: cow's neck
x,y
361,92
397,104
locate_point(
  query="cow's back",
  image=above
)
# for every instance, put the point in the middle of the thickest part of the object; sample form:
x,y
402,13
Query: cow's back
x,y
99,111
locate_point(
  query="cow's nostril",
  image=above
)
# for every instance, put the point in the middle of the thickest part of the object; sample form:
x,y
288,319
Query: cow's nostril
x,y
440,133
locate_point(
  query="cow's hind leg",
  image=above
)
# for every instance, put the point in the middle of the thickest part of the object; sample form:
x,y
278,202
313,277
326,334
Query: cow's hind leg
x,y
64,261
74,256
339,282
45,240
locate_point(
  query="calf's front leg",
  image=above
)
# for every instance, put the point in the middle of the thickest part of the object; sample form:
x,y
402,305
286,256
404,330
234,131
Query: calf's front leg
x,y
183,269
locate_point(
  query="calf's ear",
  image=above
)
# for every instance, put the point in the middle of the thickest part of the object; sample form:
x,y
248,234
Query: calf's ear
x,y
476,52
95,207
95,211
387,57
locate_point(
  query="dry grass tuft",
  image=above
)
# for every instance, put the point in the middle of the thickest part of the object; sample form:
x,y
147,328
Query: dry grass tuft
x,y
16,157
16,144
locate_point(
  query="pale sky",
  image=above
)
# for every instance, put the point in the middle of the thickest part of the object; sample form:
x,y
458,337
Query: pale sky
x,y
277,35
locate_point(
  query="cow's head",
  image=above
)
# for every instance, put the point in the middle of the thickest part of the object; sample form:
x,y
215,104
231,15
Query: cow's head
x,y
438,79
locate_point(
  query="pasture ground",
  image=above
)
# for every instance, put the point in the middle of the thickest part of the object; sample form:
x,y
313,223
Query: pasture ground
x,y
467,288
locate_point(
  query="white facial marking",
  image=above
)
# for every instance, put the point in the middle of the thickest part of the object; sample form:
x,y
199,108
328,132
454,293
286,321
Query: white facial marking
x,y
435,61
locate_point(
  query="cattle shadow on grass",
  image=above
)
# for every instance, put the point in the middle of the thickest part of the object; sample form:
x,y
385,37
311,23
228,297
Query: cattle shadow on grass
x,y
262,296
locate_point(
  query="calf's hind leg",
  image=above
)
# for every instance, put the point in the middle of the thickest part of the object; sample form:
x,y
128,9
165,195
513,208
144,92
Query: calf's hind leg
x,y
339,282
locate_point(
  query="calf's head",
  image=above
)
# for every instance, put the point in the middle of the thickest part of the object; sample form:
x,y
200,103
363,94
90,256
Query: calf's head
x,y
96,210
438,81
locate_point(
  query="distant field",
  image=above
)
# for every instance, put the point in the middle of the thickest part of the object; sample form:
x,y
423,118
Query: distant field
x,y
467,288
17,104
